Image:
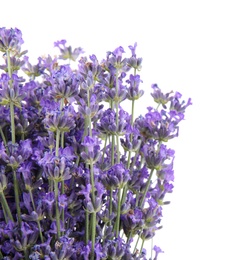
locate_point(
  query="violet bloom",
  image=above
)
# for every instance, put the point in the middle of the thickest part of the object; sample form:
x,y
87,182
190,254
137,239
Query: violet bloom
x,y
30,70
159,97
116,177
64,84
57,169
132,222
13,94
177,105
10,39
157,251
18,153
160,126
91,152
153,156
16,64
114,61
112,95
134,92
133,61
88,111
28,237
67,52
132,141
61,121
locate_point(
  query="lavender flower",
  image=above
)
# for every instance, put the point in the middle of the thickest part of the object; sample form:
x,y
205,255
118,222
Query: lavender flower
x,y
59,121
66,52
78,182
10,40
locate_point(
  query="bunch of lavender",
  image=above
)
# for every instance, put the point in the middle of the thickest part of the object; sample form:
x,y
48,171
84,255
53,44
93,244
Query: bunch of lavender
x,y
81,178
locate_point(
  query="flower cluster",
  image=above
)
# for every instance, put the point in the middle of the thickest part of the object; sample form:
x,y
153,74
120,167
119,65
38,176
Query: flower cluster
x,y
80,178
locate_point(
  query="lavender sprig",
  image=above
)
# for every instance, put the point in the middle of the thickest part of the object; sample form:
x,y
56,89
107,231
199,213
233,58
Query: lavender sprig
x,y
80,178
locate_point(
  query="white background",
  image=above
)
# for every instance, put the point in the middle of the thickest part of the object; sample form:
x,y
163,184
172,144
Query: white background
x,y
199,49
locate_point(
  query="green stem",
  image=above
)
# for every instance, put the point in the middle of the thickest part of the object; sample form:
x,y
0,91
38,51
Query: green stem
x,y
141,249
93,234
38,221
62,139
57,141
9,65
118,148
92,182
26,254
110,203
86,227
124,194
132,119
4,139
63,212
12,119
89,117
136,244
62,182
93,215
17,200
117,227
104,149
58,226
112,151
146,188
85,129
6,208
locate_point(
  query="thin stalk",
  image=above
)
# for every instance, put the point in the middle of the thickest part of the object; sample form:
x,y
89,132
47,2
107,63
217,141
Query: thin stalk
x,y
89,104
132,118
86,227
93,215
85,129
129,237
12,120
17,200
26,254
117,227
112,151
6,208
141,249
117,115
146,188
123,198
104,149
93,234
4,139
63,212
9,66
38,221
58,225
57,141
110,203
92,181
4,214
118,148
62,139
136,244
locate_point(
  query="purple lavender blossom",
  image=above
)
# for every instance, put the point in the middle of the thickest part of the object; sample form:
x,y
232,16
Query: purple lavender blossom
x,y
10,39
67,52
77,183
